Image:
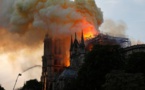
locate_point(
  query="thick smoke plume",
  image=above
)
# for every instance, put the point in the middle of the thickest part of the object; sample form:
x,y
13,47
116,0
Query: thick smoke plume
x,y
27,21
117,29
24,23
61,16
114,28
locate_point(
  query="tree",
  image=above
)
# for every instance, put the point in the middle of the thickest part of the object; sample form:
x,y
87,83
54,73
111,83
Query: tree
x,y
119,80
136,63
72,85
1,88
98,62
32,84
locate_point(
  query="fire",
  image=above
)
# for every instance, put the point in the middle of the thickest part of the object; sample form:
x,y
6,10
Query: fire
x,y
67,63
89,30
67,59
89,33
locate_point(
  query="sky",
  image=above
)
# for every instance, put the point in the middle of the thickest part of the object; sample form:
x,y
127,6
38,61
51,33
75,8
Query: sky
x,y
131,12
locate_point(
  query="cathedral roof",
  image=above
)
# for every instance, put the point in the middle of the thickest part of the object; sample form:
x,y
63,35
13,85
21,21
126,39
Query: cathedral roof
x,y
68,73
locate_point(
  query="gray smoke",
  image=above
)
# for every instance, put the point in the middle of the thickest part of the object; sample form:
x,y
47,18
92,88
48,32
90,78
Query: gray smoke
x,y
114,28
117,29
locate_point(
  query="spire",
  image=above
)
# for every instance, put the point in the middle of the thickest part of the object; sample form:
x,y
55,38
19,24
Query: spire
x,y
82,40
76,43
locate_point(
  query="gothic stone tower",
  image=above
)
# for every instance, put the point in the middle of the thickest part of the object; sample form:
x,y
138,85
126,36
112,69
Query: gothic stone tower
x,y
77,52
52,61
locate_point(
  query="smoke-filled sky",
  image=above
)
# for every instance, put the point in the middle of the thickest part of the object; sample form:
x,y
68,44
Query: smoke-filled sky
x,y
24,23
131,12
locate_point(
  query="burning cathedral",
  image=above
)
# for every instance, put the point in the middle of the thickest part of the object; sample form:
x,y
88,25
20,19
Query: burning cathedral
x,y
54,73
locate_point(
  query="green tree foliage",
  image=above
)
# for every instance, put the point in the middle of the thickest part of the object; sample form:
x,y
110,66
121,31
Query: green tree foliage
x,y
136,63
1,88
98,62
119,80
32,85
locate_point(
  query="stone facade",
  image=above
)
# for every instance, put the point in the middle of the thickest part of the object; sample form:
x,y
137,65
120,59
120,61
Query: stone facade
x,y
54,74
52,61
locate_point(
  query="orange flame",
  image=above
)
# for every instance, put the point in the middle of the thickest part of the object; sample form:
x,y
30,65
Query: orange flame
x,y
89,30
67,63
